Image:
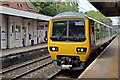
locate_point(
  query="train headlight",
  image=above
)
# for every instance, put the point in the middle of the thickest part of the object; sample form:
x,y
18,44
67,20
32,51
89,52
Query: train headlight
x,y
53,48
79,49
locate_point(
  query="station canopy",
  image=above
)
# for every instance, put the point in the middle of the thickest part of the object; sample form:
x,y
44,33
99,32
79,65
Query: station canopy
x,y
22,13
107,7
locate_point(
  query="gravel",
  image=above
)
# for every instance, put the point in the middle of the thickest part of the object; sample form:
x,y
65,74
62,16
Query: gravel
x,y
42,73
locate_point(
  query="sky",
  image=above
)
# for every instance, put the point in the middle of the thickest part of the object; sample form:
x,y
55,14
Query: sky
x,y
84,6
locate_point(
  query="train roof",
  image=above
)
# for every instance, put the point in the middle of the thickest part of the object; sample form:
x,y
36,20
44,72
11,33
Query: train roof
x,y
70,15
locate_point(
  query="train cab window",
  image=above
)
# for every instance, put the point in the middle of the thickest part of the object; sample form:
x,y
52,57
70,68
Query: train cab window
x,y
77,28
59,28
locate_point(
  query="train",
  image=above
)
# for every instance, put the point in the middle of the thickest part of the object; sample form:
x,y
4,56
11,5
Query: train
x,y
72,36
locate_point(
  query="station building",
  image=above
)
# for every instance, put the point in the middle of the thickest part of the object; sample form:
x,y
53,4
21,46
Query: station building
x,y
21,25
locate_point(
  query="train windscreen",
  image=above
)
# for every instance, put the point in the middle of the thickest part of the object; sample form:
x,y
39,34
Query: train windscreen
x,y
59,28
72,30
76,28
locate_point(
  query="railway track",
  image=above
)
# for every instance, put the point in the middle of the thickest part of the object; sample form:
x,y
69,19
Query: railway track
x,y
18,71
66,74
20,57
42,73
21,71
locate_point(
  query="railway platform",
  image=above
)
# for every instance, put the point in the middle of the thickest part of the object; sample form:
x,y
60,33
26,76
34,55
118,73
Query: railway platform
x,y
13,51
106,64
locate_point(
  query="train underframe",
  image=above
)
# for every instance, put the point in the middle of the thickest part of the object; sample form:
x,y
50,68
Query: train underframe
x,y
69,62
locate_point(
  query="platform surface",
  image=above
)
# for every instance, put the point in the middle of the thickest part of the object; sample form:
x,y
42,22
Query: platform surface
x,y
21,49
106,65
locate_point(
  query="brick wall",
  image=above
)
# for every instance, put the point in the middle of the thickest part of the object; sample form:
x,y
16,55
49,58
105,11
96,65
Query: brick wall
x,y
20,5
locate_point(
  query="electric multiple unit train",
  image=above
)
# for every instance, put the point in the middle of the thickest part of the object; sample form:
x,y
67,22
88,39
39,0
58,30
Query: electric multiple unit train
x,y
72,37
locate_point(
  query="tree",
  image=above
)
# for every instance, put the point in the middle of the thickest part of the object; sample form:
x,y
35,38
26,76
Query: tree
x,y
98,16
49,10
36,4
67,6
53,8
46,8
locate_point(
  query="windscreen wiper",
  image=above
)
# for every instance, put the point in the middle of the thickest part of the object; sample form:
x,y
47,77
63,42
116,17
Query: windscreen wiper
x,y
73,34
62,32
75,37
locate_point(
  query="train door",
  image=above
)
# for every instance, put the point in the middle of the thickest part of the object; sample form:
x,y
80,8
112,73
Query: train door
x,y
109,32
92,33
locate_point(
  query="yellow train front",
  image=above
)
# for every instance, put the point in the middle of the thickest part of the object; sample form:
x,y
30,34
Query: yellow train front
x,y
71,38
